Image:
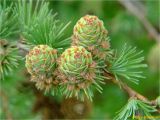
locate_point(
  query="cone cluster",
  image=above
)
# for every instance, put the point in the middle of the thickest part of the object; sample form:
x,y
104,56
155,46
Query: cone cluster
x,y
77,70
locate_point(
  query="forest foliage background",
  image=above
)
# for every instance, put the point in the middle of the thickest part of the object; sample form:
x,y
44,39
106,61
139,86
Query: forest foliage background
x,y
123,28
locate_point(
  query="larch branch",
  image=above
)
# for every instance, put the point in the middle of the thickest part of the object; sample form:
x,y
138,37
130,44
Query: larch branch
x,y
138,12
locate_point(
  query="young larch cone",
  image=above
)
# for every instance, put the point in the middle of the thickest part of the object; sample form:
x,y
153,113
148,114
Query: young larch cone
x,y
41,63
78,73
90,33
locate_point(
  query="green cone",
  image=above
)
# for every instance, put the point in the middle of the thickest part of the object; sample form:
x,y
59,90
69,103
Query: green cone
x,y
41,59
78,73
90,32
41,63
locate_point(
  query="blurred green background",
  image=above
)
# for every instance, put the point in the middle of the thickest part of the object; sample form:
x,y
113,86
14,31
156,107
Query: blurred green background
x,y
123,28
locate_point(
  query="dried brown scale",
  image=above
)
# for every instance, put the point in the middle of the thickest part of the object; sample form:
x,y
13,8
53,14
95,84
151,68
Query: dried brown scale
x,y
44,83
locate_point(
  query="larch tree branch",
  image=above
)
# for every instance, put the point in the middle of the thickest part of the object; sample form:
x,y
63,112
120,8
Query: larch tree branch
x,y
132,93
139,13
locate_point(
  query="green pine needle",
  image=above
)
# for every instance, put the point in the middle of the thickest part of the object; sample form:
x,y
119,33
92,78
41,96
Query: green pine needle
x,y
9,58
40,26
8,24
135,109
128,64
